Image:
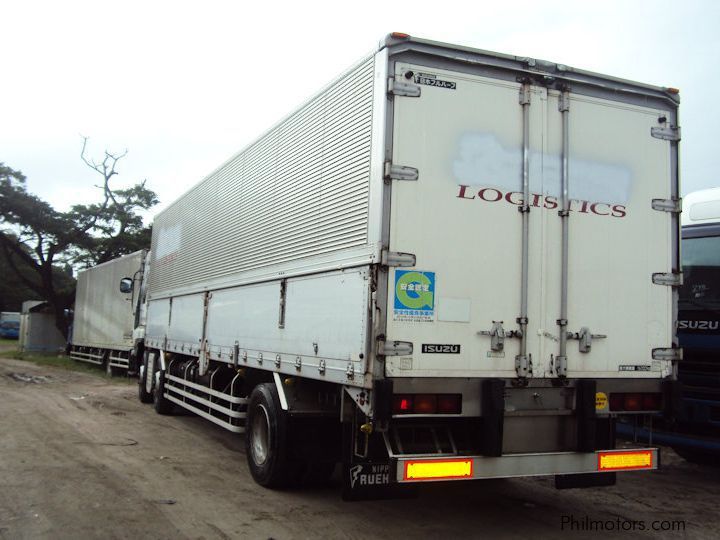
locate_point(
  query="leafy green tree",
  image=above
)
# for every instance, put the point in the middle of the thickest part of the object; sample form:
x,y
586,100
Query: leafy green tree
x,y
13,291
37,241
13,288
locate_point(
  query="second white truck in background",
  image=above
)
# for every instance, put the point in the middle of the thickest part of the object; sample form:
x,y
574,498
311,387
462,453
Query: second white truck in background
x,y
105,318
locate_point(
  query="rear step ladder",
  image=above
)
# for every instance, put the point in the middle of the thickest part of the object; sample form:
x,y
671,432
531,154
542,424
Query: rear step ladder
x,y
420,441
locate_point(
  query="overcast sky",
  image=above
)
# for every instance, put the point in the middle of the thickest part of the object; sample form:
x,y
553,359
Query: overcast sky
x,y
185,85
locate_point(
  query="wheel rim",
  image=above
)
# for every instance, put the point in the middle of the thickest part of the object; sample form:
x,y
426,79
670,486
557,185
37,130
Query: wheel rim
x,y
260,442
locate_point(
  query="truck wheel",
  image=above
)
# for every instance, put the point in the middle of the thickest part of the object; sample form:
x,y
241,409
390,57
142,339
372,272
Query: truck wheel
x,y
266,439
143,394
162,404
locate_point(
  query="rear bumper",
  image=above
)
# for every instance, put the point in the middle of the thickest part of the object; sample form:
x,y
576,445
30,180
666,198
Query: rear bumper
x,y
434,469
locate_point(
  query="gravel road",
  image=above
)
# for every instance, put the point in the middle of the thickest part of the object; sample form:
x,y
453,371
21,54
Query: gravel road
x,y
80,457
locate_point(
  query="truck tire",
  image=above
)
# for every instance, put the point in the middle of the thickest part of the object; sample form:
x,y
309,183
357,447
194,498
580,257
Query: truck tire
x,y
266,439
162,404
143,394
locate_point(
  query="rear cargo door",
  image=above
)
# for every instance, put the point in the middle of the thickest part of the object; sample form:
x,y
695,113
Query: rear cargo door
x,y
461,220
617,240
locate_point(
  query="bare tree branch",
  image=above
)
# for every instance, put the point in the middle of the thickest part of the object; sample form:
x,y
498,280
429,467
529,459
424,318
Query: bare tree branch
x,y
108,194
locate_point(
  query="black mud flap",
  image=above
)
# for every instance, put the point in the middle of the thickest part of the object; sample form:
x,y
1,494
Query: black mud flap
x,y
493,416
586,415
372,477
371,481
585,480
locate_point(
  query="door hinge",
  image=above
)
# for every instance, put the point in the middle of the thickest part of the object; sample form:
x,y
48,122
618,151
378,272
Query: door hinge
x,y
673,354
402,88
564,101
666,133
524,97
395,258
394,348
399,172
671,279
667,205
523,365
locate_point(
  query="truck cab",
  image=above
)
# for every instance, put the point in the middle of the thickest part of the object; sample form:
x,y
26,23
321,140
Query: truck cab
x,y
698,418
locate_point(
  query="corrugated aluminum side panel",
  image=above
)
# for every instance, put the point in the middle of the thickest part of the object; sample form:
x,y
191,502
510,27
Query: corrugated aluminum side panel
x,y
299,191
104,316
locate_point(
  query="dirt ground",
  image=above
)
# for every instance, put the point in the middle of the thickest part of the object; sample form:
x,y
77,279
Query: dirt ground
x,y
80,457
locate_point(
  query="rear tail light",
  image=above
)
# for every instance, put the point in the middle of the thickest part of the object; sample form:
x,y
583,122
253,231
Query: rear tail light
x,y
651,402
403,404
449,404
635,402
427,404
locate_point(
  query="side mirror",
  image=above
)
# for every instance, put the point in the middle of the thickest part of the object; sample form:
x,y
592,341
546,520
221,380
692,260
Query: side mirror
x,y
126,285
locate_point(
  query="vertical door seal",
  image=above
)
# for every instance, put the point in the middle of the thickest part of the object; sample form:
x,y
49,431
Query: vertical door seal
x,y
564,213
523,367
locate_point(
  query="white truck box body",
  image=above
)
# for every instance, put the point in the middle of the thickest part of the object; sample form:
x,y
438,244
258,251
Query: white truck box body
x,y
105,317
294,205
312,209
461,220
